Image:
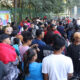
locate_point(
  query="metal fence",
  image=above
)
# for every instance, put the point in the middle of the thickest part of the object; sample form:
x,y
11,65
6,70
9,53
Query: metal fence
x,y
18,14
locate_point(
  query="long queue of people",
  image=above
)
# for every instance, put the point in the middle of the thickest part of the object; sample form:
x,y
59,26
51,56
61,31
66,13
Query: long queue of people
x,y
40,49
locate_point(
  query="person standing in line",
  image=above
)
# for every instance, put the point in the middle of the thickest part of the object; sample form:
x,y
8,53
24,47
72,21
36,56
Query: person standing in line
x,y
73,51
27,40
40,42
54,29
57,66
32,69
60,28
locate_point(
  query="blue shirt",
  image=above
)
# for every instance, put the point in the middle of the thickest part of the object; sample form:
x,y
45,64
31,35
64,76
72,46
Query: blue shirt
x,y
35,71
61,29
41,44
16,49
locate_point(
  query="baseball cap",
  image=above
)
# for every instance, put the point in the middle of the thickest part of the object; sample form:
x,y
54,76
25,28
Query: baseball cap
x,y
52,25
3,37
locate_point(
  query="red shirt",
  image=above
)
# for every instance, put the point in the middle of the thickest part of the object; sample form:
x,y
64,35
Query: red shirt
x,y
22,23
7,53
45,32
25,22
57,32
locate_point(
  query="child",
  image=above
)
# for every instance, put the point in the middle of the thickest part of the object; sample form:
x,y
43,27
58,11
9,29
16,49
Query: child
x,y
27,40
32,69
16,45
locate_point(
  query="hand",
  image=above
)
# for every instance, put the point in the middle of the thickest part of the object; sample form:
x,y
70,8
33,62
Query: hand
x,y
34,45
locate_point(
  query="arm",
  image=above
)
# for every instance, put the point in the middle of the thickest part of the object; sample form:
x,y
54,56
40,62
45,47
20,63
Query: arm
x,y
45,69
34,45
70,75
45,76
69,51
70,69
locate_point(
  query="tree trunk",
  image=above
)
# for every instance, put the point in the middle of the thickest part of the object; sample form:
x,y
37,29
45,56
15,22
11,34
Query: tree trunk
x,y
36,11
21,10
30,8
15,11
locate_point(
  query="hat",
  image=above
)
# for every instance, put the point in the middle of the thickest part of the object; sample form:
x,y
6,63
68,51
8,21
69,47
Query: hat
x,y
14,33
38,20
52,25
76,35
3,36
45,17
39,32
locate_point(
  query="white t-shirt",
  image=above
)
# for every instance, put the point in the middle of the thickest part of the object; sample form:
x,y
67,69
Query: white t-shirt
x,y
78,22
57,67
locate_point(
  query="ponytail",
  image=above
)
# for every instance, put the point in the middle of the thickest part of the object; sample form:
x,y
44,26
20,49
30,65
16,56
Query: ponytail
x,y
26,64
27,59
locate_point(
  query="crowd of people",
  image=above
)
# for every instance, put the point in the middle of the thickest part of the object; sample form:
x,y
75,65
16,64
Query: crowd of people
x,y
40,49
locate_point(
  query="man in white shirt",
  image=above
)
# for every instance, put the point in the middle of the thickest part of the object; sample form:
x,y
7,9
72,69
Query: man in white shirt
x,y
57,66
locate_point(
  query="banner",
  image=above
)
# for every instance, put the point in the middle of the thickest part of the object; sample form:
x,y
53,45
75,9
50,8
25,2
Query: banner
x,y
5,17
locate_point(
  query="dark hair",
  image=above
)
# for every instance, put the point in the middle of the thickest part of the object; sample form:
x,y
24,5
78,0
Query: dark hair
x,y
3,36
49,22
60,23
8,23
27,57
65,35
52,25
77,28
25,27
72,38
12,24
27,36
39,32
58,42
49,37
14,33
16,41
26,18
46,25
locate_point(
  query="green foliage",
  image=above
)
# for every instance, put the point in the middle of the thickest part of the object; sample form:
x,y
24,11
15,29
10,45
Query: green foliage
x,y
48,6
72,3
34,8
58,6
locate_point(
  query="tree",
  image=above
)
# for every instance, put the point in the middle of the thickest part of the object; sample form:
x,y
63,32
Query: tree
x,y
71,3
15,11
34,8
46,6
58,6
